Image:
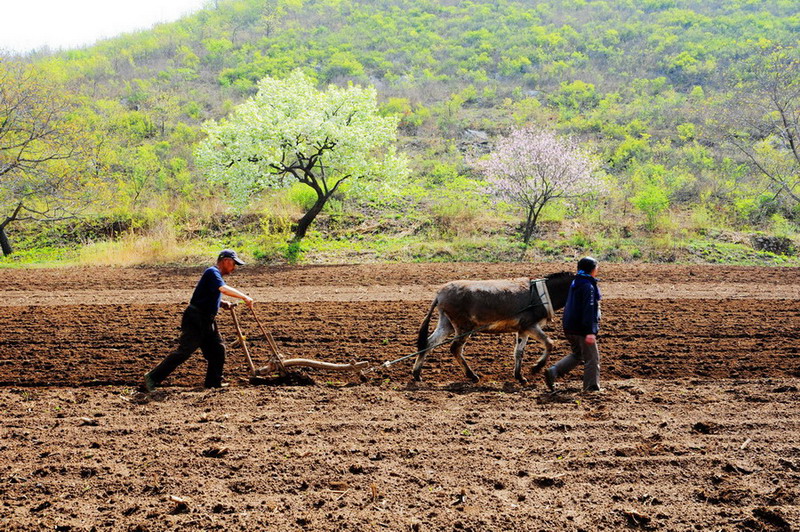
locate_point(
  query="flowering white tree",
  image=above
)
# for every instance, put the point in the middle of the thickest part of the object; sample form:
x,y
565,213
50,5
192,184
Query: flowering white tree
x,y
291,131
531,167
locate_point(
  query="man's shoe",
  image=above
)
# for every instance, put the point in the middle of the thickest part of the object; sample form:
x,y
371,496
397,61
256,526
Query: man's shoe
x,y
550,379
594,389
148,384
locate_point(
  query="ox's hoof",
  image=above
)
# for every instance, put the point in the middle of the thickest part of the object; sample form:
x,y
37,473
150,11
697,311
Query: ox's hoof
x,y
522,380
416,377
474,377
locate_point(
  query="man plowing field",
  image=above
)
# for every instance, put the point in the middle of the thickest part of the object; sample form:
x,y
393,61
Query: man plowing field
x,y
199,326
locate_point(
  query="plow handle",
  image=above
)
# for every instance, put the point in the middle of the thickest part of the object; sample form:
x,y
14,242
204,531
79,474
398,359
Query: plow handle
x,y
271,342
243,341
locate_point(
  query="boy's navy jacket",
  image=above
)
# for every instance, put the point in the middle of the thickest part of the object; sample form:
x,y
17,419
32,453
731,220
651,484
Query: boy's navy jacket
x,y
581,312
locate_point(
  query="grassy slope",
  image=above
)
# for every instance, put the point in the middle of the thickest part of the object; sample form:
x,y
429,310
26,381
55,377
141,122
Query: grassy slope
x,y
457,66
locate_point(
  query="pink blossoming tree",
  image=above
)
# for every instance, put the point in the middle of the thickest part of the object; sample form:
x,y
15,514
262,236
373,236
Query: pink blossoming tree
x,y
532,167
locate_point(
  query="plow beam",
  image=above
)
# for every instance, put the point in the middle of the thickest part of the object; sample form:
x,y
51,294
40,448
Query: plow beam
x,y
308,363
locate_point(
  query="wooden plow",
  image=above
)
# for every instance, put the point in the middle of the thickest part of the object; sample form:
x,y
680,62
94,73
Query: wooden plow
x,y
276,363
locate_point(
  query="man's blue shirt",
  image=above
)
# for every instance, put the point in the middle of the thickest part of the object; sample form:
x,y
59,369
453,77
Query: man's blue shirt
x,y
206,295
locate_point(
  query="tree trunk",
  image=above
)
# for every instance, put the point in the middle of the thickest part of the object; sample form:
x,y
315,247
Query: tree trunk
x,y
303,224
530,226
5,245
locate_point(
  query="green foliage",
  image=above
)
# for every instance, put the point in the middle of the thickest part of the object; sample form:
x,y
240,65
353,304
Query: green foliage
x,y
629,150
302,196
343,65
575,97
41,175
294,252
652,197
686,132
642,83
525,111
781,227
411,115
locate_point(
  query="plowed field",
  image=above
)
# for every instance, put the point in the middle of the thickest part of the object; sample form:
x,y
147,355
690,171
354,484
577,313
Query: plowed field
x,y
698,426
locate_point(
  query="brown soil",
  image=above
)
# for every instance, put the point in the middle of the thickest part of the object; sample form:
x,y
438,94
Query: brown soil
x,y
698,426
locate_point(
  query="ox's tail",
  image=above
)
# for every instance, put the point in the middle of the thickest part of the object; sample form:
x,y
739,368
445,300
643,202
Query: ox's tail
x,y
422,335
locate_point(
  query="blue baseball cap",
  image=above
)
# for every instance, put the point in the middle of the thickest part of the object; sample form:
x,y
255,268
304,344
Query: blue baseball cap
x,y
230,254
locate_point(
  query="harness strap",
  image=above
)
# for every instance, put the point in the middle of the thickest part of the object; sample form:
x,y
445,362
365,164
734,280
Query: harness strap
x,y
539,287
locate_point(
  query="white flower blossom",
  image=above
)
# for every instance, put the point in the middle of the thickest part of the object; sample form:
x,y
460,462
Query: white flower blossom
x,y
531,167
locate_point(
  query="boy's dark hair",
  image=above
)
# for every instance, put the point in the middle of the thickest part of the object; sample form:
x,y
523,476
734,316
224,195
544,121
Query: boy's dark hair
x,y
587,264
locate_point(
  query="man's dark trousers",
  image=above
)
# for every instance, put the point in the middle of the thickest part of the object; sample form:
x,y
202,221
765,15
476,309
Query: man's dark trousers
x,y
197,331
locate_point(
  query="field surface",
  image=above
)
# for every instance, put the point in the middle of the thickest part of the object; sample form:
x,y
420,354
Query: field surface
x,y
698,426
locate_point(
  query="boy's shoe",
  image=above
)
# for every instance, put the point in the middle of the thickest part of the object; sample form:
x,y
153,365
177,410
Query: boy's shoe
x,y
550,379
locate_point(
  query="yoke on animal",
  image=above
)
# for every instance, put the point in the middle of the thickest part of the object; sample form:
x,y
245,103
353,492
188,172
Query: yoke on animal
x,y
521,306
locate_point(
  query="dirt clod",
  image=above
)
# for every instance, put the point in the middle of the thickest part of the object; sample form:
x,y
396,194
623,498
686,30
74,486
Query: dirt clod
x,y
705,428
773,518
214,452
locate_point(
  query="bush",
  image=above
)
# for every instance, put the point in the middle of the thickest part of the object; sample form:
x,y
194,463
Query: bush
x,y
302,196
458,218
652,200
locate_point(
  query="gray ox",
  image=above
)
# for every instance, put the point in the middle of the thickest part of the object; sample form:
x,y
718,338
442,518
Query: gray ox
x,y
500,306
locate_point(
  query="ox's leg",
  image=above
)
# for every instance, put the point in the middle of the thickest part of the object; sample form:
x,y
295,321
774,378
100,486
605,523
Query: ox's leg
x,y
457,348
522,339
443,329
548,347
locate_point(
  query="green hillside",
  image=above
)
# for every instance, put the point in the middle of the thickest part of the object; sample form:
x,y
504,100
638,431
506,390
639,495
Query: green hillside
x,y
689,107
